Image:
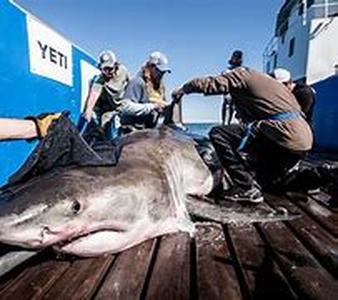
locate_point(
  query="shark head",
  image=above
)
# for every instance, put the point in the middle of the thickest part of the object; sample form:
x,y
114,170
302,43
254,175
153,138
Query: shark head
x,y
61,207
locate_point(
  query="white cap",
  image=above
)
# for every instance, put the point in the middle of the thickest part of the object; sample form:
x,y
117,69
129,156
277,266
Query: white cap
x,y
159,60
336,69
106,59
282,75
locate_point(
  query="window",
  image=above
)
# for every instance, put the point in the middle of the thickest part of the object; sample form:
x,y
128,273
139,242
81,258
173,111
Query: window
x,y
283,38
301,8
291,47
310,2
275,58
268,67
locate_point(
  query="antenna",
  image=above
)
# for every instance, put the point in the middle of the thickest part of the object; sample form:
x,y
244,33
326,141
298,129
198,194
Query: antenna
x,y
304,3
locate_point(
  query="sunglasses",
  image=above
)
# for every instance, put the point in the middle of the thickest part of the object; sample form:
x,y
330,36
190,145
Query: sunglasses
x,y
158,71
108,69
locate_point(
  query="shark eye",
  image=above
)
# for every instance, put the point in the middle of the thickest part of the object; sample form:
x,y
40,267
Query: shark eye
x,y
76,207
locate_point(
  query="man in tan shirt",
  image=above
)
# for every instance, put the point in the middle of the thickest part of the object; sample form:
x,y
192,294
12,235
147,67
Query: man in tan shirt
x,y
274,138
106,92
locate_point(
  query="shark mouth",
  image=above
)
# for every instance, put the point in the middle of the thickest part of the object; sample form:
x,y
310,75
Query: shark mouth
x,y
85,236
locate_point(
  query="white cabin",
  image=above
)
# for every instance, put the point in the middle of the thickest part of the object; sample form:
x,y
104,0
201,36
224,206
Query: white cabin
x,y
305,40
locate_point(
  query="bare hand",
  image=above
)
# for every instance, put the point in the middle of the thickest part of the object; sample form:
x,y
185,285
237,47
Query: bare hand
x,y
88,115
160,106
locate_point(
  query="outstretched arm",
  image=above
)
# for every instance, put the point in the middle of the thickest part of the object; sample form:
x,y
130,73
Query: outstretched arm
x,y
208,86
93,96
32,127
11,129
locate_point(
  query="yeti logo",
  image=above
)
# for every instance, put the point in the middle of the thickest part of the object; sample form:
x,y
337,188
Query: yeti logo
x,y
50,55
53,55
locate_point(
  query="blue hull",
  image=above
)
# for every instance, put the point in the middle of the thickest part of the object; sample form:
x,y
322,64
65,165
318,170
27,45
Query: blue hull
x,y
23,91
326,115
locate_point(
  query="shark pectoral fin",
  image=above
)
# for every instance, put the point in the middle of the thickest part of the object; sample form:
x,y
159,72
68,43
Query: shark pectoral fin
x,y
236,214
203,210
186,225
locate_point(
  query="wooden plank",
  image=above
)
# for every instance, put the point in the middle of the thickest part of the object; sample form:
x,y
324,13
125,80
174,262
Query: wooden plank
x,y
81,279
17,272
321,244
325,217
306,276
127,276
263,278
10,260
327,197
170,278
35,279
216,275
13,275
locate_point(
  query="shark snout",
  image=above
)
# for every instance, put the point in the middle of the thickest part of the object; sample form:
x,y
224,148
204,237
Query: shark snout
x,y
48,236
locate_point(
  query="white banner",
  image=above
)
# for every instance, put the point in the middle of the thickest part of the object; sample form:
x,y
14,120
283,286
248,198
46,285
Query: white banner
x,y
50,55
88,72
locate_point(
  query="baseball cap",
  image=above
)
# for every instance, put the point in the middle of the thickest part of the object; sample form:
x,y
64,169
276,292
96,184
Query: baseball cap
x,y
106,59
237,54
282,75
160,61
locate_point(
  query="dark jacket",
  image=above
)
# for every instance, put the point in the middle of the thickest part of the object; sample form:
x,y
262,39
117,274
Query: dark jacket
x,y
257,97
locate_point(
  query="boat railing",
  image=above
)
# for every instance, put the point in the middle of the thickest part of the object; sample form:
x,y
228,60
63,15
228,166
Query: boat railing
x,y
323,9
271,46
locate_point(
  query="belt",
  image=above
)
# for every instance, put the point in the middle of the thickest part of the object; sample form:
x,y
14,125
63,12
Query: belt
x,y
286,116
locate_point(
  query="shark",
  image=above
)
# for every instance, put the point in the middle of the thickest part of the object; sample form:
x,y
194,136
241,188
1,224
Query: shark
x,y
89,211
156,186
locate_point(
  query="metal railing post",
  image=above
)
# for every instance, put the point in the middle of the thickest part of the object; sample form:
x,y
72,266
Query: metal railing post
x,y
326,8
304,2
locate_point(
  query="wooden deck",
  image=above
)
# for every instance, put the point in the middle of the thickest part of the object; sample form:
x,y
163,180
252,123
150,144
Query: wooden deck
x,y
295,259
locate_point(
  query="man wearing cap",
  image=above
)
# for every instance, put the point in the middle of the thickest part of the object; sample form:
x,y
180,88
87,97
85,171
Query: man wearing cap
x,y
304,94
106,91
235,61
275,138
144,98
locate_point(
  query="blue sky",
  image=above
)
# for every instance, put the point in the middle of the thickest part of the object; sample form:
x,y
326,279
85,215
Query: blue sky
x,y
197,35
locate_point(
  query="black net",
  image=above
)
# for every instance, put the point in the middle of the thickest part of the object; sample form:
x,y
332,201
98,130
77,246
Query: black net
x,y
63,146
